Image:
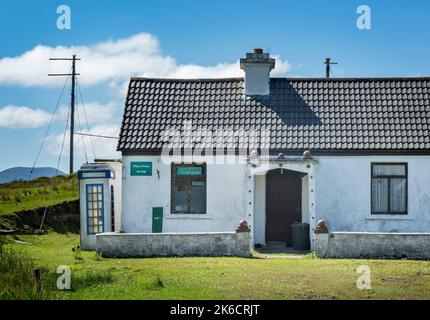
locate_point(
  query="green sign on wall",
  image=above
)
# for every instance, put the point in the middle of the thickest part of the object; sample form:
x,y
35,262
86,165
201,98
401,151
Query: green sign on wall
x,y
189,171
141,168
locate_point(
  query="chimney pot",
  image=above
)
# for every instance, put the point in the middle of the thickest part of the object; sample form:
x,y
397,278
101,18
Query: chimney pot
x,y
258,51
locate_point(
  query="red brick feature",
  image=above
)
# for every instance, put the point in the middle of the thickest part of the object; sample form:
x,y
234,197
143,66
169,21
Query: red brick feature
x,y
321,227
243,227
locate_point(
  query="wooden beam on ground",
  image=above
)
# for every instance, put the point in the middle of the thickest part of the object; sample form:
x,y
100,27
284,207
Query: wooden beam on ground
x,y
21,232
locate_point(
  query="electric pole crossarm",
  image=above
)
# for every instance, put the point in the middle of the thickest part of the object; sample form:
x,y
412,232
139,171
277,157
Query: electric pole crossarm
x,y
64,59
62,74
328,63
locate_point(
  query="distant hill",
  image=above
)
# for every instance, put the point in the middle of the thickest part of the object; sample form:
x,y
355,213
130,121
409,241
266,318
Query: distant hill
x,y
22,173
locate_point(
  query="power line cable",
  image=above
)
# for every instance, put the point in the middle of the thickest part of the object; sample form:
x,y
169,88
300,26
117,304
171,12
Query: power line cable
x,y
80,128
95,135
56,172
86,118
49,128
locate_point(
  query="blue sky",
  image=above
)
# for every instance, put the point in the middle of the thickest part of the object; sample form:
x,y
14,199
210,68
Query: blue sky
x,y
188,38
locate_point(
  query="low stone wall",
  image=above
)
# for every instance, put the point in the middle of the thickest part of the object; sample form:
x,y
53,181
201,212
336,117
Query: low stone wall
x,y
372,245
205,244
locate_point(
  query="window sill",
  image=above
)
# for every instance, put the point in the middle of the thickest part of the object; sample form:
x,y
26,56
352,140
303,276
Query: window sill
x,y
191,216
389,217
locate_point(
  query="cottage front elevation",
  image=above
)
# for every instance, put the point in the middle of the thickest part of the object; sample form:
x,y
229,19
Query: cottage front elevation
x,y
352,154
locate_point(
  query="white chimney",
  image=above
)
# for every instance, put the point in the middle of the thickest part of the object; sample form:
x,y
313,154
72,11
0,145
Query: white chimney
x,y
257,66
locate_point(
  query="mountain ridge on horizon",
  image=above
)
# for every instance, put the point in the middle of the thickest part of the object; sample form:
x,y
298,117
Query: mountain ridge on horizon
x,y
22,173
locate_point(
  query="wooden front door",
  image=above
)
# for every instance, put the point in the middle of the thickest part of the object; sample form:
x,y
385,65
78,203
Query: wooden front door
x,y
283,204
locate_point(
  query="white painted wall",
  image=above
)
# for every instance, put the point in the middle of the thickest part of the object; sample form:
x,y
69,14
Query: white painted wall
x,y
336,189
227,198
257,78
343,194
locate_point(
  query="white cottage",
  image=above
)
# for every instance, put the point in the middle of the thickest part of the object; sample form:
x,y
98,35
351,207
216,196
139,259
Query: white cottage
x,y
200,155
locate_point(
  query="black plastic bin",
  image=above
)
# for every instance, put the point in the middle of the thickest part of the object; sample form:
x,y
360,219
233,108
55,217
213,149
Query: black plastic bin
x,y
300,236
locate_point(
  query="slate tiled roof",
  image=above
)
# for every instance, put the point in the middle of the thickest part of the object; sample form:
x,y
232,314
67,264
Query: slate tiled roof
x,y
384,114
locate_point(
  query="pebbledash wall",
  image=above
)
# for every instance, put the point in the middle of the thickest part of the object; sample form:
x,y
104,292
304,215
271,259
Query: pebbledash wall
x,y
342,197
372,245
207,244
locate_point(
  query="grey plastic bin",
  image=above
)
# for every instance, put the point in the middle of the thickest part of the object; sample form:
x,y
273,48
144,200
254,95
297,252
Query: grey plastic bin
x,y
300,236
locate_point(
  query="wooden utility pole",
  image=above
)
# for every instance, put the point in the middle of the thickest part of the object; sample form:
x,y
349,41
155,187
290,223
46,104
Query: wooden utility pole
x,y
72,112
328,64
72,102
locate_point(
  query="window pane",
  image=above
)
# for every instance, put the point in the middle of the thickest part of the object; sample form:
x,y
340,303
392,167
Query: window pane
x,y
198,196
181,195
389,170
398,195
379,195
188,189
95,208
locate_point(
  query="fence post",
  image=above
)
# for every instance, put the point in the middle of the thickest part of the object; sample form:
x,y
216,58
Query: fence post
x,y
36,273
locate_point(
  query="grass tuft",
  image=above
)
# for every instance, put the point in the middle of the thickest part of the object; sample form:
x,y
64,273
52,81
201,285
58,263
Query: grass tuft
x,y
90,279
77,253
159,282
311,255
17,280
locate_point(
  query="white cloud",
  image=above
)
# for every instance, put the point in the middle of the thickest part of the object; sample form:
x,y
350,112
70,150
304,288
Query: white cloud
x,y
223,70
102,121
111,62
103,148
95,113
98,113
23,117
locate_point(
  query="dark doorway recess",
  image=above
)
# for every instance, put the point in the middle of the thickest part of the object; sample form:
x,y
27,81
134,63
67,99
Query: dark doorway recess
x,y
283,204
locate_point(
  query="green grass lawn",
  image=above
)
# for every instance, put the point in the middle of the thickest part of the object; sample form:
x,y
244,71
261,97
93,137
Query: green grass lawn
x,y
27,195
94,277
